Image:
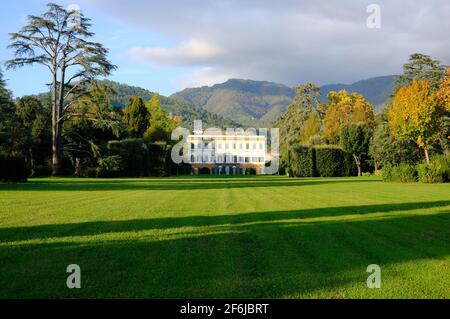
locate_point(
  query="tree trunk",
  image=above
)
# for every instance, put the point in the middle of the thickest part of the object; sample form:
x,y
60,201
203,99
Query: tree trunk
x,y
77,166
57,121
358,164
56,149
57,154
427,156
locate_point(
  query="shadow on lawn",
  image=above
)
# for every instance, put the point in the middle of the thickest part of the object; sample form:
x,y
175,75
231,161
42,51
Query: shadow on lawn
x,y
249,261
172,183
102,227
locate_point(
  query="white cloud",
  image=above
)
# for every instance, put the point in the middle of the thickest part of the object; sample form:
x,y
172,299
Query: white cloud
x,y
205,76
289,41
187,53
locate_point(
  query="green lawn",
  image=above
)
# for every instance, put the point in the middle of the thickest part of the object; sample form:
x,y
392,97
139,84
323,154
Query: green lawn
x,y
260,237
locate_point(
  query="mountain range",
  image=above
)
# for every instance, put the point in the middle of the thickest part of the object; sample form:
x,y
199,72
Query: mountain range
x,y
256,103
188,112
241,102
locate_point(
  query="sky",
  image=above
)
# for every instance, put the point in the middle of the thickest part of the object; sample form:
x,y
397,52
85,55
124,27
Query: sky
x,y
166,46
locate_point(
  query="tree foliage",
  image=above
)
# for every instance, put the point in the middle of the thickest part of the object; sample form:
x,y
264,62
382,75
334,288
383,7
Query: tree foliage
x,y
59,40
344,108
416,114
160,124
136,117
311,128
385,150
34,124
355,140
7,117
292,122
90,122
422,68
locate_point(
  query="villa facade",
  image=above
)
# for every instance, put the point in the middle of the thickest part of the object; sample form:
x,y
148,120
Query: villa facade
x,y
230,154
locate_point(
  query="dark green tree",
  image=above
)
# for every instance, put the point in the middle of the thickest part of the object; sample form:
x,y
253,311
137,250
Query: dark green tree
x,y
8,118
355,140
385,150
136,117
421,67
292,122
91,123
160,124
35,127
59,40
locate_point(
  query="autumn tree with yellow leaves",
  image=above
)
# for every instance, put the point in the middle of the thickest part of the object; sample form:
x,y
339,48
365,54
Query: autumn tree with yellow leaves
x,y
416,113
345,108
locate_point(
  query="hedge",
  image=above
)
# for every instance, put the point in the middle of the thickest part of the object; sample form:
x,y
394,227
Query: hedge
x,y
333,161
13,169
136,158
159,160
134,155
320,161
302,161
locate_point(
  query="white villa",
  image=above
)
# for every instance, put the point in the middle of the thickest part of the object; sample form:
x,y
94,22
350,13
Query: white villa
x,y
227,154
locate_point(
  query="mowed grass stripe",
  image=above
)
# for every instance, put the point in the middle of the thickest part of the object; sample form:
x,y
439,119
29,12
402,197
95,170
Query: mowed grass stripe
x,y
259,237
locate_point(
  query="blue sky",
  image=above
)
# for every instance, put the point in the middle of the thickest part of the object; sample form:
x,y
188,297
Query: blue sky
x,y
166,46
116,35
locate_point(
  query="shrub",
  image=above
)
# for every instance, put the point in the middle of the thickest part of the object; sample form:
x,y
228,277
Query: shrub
x,y
13,169
109,167
437,171
404,173
332,161
159,159
250,171
301,161
90,172
387,173
134,154
42,171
